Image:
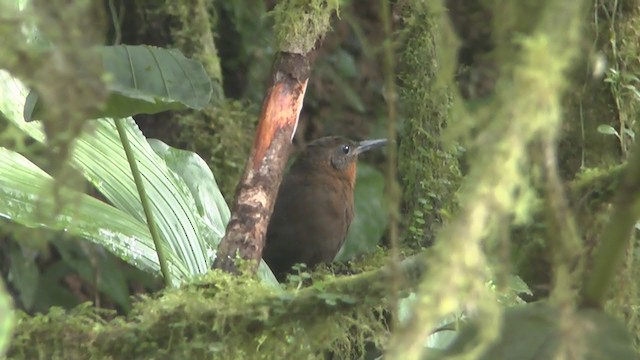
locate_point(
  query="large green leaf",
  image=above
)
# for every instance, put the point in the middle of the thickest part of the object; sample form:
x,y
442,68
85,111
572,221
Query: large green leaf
x,y
100,157
23,273
26,198
437,340
143,80
192,213
201,183
209,201
371,219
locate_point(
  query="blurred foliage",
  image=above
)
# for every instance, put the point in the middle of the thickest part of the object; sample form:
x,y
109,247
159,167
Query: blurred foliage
x,y
236,42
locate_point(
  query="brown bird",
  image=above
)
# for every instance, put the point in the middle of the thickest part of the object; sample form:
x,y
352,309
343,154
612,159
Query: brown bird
x,y
314,207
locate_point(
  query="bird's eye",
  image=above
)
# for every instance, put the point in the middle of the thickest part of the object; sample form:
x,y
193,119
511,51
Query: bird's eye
x,y
345,149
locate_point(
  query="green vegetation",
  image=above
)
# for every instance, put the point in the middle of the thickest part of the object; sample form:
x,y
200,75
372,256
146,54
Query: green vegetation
x,y
516,158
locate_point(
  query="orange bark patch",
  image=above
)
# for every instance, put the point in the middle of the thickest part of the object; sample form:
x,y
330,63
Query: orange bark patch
x,y
280,111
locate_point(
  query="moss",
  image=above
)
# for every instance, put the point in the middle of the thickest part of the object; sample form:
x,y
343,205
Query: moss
x,y
219,135
218,316
617,32
192,31
621,28
300,23
429,171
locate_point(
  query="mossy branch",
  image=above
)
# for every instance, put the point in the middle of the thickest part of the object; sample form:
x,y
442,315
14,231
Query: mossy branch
x,y
215,317
562,232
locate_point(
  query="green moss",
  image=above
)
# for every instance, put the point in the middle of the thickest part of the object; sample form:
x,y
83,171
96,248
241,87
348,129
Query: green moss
x,y
221,137
192,32
300,23
429,171
218,316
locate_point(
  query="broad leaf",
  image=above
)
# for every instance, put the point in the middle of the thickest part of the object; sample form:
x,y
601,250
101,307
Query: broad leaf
x,y
201,183
437,340
209,201
96,266
23,273
99,155
191,213
26,198
143,80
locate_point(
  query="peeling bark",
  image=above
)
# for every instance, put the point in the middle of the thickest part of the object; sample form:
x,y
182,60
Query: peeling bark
x,y
259,184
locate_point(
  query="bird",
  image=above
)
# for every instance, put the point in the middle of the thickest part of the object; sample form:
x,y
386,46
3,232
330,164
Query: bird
x,y
314,205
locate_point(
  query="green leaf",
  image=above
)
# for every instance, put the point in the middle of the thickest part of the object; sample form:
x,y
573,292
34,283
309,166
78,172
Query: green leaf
x,y
345,64
100,157
50,293
23,273
370,220
26,198
518,286
203,186
533,332
96,267
143,80
607,130
209,201
7,319
351,97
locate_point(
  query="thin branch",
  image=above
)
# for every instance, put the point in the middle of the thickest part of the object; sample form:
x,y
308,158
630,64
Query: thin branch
x,y
615,237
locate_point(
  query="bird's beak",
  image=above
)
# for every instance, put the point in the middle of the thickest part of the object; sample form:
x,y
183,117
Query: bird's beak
x,y
367,145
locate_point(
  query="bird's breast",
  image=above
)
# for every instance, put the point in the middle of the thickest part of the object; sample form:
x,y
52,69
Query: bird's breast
x,y
310,221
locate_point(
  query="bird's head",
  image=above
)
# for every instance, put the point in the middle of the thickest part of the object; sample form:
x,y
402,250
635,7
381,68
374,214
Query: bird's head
x,y
336,155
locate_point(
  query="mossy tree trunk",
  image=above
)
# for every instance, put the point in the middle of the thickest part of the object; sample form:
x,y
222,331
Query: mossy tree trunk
x,y
429,167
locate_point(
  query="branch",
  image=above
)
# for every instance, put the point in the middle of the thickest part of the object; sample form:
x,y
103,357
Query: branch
x,y
615,236
299,26
259,184
224,317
